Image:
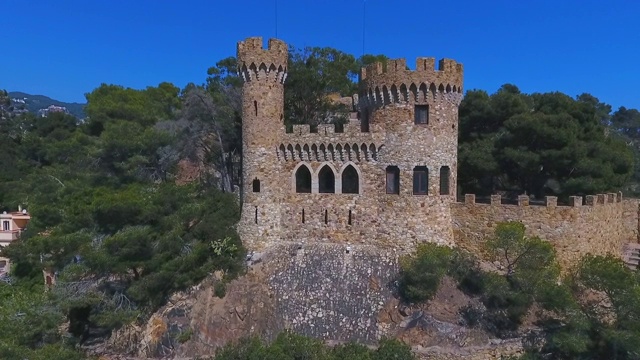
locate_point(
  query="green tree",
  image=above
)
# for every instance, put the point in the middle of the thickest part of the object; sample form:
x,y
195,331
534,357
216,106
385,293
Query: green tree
x,y
539,144
422,272
625,123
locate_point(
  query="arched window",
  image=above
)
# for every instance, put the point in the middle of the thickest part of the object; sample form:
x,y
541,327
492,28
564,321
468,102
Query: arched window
x,y
420,180
445,174
303,180
393,180
256,185
326,180
350,181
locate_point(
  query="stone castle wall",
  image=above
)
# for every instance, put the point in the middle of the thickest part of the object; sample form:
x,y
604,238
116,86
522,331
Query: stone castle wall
x,y
385,135
603,224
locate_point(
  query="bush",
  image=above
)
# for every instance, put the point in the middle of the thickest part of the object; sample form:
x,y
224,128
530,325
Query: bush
x,y
184,336
220,289
289,346
421,273
393,349
466,271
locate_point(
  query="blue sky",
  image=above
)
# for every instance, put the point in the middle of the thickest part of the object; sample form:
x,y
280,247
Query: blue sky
x,y
66,48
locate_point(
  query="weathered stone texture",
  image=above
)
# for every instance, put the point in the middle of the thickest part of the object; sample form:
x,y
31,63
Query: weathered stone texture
x,y
272,156
601,226
326,292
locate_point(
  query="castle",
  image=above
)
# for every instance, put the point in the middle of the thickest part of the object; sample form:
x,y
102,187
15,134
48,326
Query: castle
x,y
388,179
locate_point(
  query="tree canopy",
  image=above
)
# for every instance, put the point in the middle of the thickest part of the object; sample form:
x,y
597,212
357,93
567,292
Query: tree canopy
x,y
539,144
107,216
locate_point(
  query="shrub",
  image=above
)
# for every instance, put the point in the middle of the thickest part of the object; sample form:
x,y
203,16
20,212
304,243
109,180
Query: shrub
x,y
465,270
220,289
421,273
184,336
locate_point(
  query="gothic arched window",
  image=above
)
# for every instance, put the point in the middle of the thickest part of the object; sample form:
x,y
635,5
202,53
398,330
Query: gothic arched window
x,y
326,180
350,181
303,180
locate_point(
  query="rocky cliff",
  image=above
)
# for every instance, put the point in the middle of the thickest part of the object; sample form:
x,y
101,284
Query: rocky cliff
x,y
322,291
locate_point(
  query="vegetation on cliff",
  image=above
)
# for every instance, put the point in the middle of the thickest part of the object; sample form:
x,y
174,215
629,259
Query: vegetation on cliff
x,y
288,346
590,312
107,217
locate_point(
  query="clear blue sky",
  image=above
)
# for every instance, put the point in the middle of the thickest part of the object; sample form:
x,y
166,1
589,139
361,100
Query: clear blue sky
x,y
65,48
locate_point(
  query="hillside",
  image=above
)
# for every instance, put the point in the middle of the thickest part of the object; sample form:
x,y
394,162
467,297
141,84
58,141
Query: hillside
x,y
36,102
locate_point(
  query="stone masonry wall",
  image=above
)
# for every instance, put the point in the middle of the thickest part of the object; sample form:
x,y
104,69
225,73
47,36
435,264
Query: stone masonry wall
x,y
602,225
276,213
328,293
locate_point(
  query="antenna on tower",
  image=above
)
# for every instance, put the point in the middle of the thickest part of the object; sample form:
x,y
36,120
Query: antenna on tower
x,y
364,18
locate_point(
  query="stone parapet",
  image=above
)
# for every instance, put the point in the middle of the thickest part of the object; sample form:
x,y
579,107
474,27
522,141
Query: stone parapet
x,y
552,201
258,64
392,83
574,229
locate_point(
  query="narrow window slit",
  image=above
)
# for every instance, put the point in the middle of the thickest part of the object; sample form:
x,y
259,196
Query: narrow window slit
x,y
349,221
256,216
326,217
303,216
445,173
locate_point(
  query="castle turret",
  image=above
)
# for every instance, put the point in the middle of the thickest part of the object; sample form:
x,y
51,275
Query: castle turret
x,y
264,72
418,112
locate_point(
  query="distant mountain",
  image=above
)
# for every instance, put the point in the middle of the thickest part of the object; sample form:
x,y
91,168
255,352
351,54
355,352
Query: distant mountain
x,y
35,103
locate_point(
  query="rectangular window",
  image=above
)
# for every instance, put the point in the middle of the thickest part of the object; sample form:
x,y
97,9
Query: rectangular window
x,y
393,180
420,180
6,226
364,120
422,114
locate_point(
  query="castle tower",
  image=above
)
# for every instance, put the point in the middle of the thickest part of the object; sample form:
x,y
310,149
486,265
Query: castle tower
x,y
417,111
264,72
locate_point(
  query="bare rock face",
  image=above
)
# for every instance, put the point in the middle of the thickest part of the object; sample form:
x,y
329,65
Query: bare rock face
x,y
248,308
314,290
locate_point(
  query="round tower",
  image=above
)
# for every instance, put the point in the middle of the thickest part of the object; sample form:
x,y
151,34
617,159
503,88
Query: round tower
x,y
264,72
417,111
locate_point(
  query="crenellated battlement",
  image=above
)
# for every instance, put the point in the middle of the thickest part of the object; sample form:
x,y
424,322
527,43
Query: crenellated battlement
x,y
448,70
258,64
351,144
348,130
551,201
383,84
597,224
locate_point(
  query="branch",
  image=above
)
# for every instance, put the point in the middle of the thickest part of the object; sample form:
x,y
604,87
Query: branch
x,y
56,179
